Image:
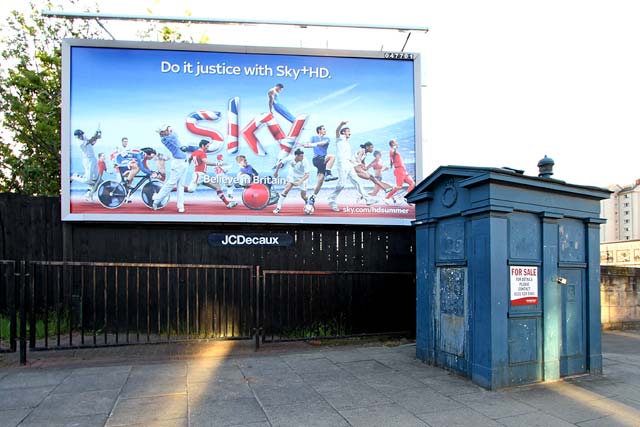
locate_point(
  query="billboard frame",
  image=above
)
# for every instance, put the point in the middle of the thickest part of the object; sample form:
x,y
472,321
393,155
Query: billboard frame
x,y
67,131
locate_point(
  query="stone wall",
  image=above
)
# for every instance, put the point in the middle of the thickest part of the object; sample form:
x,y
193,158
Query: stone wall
x,y
620,297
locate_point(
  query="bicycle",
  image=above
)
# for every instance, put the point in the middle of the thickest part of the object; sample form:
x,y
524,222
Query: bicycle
x,y
113,194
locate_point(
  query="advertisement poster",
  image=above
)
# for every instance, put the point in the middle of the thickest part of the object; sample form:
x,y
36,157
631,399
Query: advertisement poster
x,y
524,285
167,132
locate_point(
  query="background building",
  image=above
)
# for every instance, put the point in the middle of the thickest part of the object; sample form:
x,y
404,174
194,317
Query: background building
x,y
620,236
622,211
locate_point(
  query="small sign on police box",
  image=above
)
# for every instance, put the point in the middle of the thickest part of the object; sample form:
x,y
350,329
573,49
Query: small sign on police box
x,y
524,285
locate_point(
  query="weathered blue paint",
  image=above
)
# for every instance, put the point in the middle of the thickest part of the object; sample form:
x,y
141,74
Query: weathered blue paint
x,y
472,224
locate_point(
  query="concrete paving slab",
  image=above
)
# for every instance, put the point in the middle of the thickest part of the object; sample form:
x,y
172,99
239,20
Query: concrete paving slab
x,y
33,378
226,413
302,386
231,374
324,381
103,370
494,405
218,390
154,386
284,394
23,397
13,417
365,367
451,384
344,356
423,400
308,414
80,421
67,405
459,417
302,366
92,382
574,411
382,416
537,419
170,370
354,395
149,410
391,382
175,422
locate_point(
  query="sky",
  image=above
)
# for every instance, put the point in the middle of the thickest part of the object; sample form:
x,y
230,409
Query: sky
x,y
504,83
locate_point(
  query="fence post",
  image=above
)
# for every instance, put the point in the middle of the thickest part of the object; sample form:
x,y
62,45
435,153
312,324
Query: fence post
x,y
257,330
23,313
13,310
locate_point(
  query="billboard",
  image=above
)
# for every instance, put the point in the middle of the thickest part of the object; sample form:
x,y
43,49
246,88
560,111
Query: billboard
x,y
202,133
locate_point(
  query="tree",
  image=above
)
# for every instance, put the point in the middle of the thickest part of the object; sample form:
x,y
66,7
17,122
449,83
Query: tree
x,y
30,98
31,94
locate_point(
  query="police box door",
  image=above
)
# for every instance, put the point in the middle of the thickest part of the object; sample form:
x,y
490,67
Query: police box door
x,y
573,346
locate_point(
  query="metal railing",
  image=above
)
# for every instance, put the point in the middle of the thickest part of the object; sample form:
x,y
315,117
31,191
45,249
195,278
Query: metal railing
x,y
56,305
8,306
304,305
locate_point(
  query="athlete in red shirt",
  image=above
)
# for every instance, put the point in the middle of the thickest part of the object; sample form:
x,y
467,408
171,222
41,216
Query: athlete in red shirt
x,y
396,163
200,161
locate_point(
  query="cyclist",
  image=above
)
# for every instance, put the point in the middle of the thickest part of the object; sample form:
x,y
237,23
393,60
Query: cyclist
x,y
132,162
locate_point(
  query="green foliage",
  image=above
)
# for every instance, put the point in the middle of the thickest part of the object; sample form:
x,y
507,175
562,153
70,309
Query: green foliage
x,y
45,326
172,34
31,95
335,327
30,98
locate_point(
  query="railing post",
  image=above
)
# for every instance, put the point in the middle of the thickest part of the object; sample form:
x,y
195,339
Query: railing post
x,y
257,329
13,308
23,312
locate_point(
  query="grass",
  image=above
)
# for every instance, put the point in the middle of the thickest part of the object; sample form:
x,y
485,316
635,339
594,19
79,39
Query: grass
x,y
331,328
52,325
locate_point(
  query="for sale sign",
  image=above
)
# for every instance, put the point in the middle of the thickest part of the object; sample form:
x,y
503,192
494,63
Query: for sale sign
x,y
524,285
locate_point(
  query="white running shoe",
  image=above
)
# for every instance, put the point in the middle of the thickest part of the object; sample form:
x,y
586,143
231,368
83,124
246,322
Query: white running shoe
x,y
181,210
370,201
276,211
334,206
231,205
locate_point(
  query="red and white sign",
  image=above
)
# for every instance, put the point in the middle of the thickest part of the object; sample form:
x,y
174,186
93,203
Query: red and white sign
x,y
524,285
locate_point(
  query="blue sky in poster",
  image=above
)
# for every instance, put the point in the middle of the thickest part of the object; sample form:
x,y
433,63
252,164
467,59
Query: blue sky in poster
x,y
130,93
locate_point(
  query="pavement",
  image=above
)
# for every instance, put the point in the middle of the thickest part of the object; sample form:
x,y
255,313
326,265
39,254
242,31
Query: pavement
x,y
298,384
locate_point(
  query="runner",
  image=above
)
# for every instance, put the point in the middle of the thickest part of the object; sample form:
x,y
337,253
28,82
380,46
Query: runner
x,y
298,175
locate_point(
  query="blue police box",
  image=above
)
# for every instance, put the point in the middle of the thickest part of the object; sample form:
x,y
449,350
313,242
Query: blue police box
x,y
508,274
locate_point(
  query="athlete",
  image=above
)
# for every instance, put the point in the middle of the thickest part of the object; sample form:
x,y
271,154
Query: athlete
x,y
178,168
246,174
346,167
275,104
297,177
200,160
322,161
378,167
361,169
124,142
102,165
89,161
400,172
102,168
220,169
132,162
